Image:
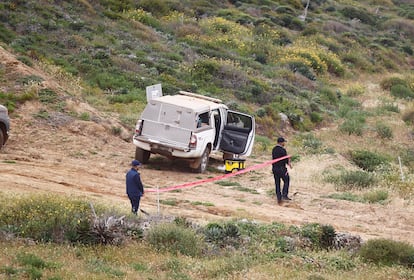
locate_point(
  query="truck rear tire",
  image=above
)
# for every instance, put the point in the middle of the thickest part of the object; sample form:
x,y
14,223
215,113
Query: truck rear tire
x,y
202,162
142,155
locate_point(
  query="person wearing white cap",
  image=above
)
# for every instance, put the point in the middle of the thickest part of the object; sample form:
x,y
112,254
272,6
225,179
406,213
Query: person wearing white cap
x,y
280,171
134,186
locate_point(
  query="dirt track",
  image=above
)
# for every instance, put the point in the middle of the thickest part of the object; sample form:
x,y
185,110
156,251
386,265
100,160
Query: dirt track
x,y
81,158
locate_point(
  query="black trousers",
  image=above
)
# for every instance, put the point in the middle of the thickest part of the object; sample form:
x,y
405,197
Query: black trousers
x,y
134,203
286,180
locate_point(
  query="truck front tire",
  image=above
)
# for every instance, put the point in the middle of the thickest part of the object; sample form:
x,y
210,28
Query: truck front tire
x,y
142,155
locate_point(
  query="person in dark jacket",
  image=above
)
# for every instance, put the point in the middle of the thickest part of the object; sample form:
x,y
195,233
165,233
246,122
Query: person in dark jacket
x,y
134,187
280,171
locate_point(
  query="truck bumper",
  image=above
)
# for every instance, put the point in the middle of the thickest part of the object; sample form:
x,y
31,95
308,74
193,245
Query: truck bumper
x,y
168,150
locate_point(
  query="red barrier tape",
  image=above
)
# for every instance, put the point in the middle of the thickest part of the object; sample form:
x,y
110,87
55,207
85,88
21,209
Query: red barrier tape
x,y
196,183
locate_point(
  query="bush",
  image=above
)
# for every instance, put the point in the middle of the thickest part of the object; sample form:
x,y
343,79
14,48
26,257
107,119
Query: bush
x,y
43,218
378,196
49,219
388,83
355,90
175,239
402,91
302,68
359,13
367,160
347,180
390,107
47,96
321,236
383,131
222,235
352,126
311,143
387,252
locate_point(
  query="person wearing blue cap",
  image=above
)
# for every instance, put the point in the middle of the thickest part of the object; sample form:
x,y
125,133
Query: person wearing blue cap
x,y
280,171
134,187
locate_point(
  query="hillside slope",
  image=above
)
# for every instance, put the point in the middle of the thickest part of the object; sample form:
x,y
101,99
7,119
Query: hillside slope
x,y
73,157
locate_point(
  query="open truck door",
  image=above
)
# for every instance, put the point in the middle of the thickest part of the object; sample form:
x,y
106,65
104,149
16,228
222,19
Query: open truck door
x,y
238,134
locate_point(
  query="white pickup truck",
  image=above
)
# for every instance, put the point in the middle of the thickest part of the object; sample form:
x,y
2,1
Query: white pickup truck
x,y
190,126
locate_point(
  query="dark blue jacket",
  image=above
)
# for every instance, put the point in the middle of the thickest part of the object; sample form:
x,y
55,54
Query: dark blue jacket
x,y
134,185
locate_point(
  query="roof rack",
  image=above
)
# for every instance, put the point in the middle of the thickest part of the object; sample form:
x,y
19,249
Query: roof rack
x,y
216,100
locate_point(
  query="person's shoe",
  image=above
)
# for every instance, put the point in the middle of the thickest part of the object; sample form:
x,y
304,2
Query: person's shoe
x,y
279,202
286,198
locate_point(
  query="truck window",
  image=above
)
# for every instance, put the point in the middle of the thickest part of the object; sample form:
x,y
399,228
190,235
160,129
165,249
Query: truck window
x,y
203,120
240,121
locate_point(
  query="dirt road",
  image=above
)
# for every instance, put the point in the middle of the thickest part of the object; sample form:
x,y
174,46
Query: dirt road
x,y
81,158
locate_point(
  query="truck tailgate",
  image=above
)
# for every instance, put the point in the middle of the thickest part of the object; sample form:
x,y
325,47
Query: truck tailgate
x,y
166,134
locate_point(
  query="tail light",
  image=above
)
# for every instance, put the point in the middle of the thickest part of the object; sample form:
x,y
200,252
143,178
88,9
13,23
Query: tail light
x,y
193,141
138,127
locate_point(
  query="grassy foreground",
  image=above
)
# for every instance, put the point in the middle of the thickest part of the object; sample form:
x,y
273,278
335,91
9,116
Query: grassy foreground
x,y
39,242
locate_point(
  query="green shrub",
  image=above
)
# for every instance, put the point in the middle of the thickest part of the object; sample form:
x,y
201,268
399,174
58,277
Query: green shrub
x,y
355,90
52,219
47,96
407,48
85,116
347,180
333,62
302,68
388,83
402,91
346,196
362,14
352,126
170,202
311,143
355,118
383,131
390,106
227,183
321,236
26,80
6,34
367,160
26,60
359,179
377,196
43,218
28,259
387,252
222,235
175,239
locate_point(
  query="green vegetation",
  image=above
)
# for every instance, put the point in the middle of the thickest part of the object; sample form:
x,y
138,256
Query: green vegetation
x,y
259,57
264,56
156,248
373,196
347,180
368,161
387,252
174,239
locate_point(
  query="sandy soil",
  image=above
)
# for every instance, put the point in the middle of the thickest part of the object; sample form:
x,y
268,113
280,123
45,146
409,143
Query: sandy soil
x,y
67,156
